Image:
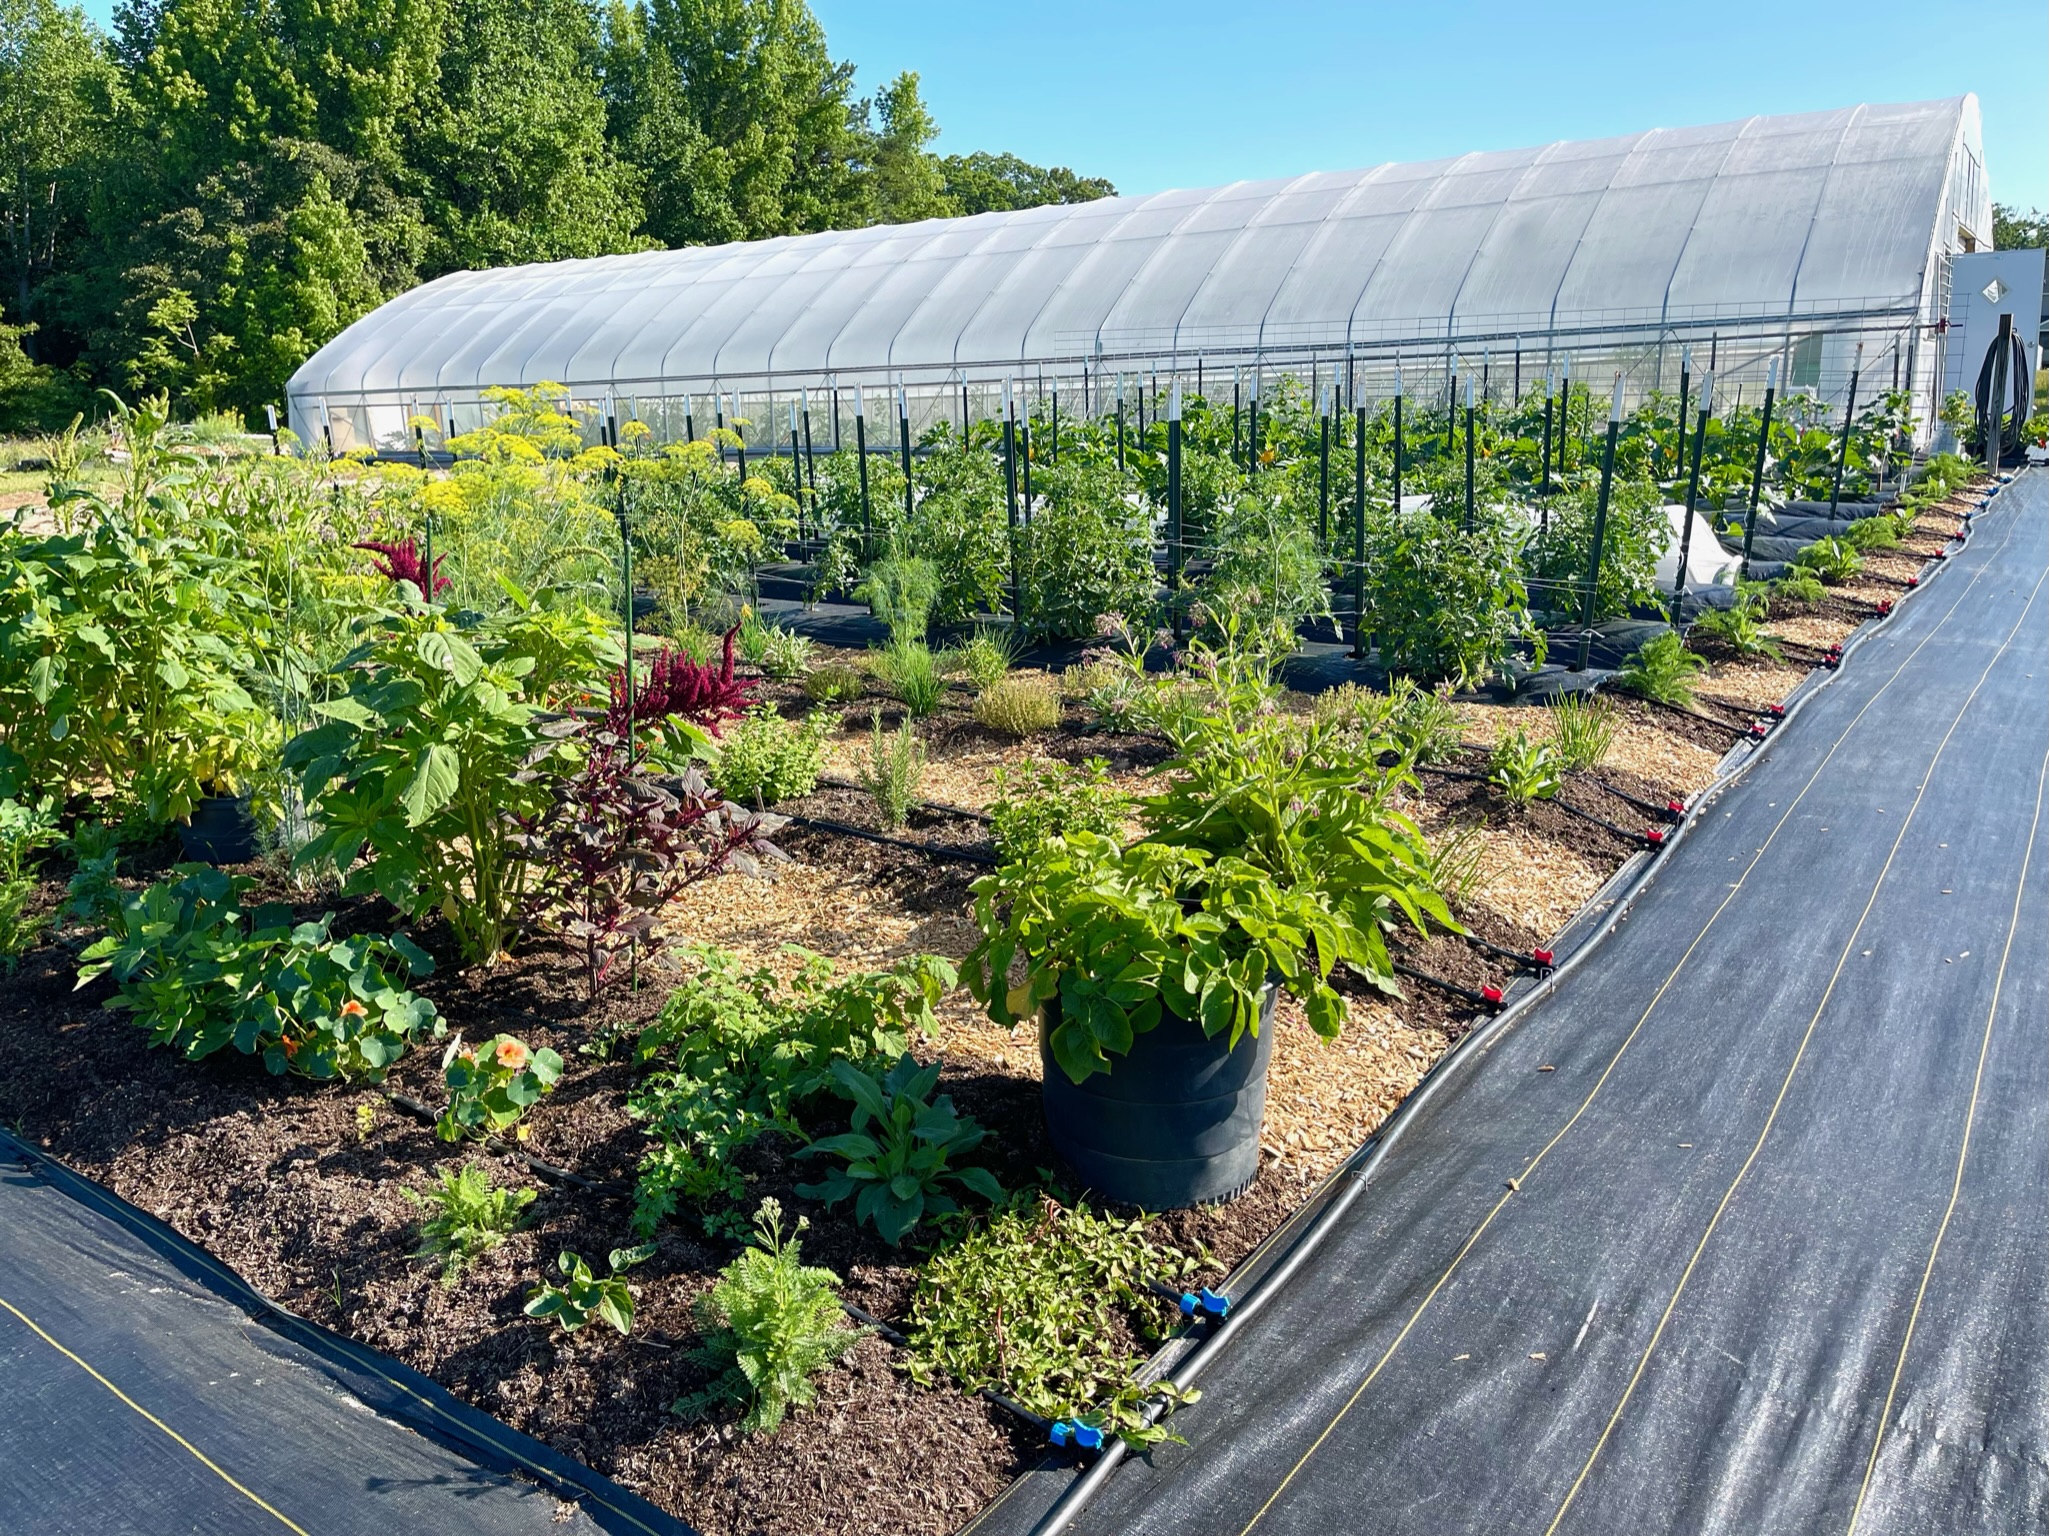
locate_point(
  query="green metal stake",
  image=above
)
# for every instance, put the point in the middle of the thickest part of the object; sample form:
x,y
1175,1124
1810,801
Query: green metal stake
x,y
1359,512
1764,437
1469,454
1010,500
1685,379
1174,503
1707,399
1586,632
1835,493
903,434
1323,472
861,456
1120,423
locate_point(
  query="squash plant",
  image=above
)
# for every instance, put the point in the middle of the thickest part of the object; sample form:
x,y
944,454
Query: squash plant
x,y
430,763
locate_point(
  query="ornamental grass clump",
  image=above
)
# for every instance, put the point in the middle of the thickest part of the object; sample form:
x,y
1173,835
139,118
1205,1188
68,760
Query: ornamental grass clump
x,y
1021,705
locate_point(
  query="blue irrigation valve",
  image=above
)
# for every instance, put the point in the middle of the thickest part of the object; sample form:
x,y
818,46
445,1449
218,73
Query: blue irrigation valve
x,y
1083,1437
1205,1303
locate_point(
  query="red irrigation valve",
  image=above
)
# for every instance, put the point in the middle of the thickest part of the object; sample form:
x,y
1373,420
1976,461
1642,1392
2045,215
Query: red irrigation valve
x,y
1492,994
1776,711
1913,581
1541,956
1757,728
1963,532
1654,837
1676,809
1942,554
1884,606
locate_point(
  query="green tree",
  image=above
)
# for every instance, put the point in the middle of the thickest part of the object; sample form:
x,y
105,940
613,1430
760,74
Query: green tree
x,y
986,183
2018,229
905,180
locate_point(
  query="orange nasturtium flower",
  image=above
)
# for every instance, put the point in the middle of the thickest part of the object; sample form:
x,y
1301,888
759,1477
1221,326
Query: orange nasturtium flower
x,y
353,1009
511,1055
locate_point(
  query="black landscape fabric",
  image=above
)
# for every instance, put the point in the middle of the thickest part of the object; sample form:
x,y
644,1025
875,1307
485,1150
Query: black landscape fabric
x,y
149,1391
1745,1227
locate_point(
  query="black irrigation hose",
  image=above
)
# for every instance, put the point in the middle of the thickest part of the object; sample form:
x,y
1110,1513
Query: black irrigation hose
x,y
1652,837
545,1170
870,1320
938,807
1356,1173
956,855
1672,810
1693,714
1490,998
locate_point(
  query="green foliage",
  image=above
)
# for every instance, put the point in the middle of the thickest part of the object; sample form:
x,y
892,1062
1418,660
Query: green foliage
x,y
747,1048
836,683
986,183
1038,1301
427,762
1799,585
1634,540
1662,669
1021,705
124,647
25,830
492,1085
1085,552
467,1216
1444,602
587,1295
911,672
201,972
894,770
1522,769
1423,723
92,896
986,656
1455,865
900,591
764,759
899,1150
1037,801
1832,560
1266,566
1582,730
1740,626
779,652
769,1326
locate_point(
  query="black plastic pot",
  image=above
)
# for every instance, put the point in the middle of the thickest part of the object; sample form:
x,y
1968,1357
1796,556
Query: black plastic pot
x,y
222,831
1175,1122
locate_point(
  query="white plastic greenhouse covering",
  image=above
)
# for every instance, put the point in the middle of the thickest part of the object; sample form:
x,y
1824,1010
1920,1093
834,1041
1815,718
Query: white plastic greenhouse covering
x,y
1768,232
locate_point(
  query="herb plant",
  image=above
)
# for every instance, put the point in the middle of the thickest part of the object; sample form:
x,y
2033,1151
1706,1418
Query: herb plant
x,y
766,759
1833,560
1522,770
25,830
769,1326
1022,704
1799,585
587,1295
899,1151
1740,626
491,1086
1039,801
1423,723
835,683
467,1216
1582,730
912,673
894,770
900,591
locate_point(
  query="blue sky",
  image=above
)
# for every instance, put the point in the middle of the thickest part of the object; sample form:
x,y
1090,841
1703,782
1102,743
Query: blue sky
x,y
1197,93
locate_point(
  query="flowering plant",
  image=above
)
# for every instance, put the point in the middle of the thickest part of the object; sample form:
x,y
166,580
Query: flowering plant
x,y
401,562
675,686
492,1085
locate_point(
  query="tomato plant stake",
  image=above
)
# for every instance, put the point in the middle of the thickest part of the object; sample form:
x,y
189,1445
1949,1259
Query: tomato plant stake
x,y
1586,633
1359,514
1323,474
1685,380
861,458
903,437
1835,493
810,459
1174,499
1120,423
1764,437
1544,474
1010,499
1469,454
1707,395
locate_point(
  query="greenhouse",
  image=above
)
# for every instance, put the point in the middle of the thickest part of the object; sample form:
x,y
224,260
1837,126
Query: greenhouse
x,y
1820,239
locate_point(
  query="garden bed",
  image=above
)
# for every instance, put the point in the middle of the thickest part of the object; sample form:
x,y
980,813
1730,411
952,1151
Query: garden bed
x,y
299,1187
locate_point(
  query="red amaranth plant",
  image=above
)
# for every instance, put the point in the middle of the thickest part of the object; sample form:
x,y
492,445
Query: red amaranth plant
x,y
401,562
673,684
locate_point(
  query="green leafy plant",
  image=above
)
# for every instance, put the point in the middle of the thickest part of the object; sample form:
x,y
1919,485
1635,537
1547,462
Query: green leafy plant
x,y
1444,602
1455,864
491,1086
900,591
1740,626
1084,553
92,894
1582,730
1040,1301
764,758
1796,585
834,683
986,656
1038,801
778,651
587,1295
1020,705
200,973
769,1325
1833,560
467,1216
899,1151
1424,723
747,1048
1662,669
1872,534
1522,770
911,672
25,830
427,762
894,770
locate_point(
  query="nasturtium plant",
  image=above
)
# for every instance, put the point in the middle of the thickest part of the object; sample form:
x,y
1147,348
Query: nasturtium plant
x,y
492,1085
201,973
429,764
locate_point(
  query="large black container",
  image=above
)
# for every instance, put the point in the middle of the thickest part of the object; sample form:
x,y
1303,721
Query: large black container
x,y
1176,1120
222,831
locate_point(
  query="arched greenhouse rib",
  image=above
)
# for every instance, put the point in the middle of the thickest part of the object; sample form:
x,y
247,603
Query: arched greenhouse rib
x,y
1787,236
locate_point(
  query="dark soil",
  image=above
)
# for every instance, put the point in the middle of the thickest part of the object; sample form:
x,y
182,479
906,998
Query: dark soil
x,y
928,826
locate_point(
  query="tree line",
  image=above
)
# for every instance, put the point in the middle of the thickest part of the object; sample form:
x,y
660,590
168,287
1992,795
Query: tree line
x,y
200,199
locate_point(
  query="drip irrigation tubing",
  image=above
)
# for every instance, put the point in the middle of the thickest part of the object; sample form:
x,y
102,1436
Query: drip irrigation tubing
x,y
956,855
1357,1170
937,807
